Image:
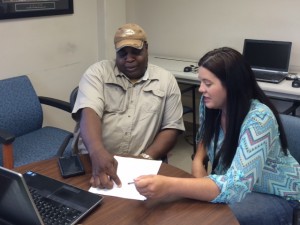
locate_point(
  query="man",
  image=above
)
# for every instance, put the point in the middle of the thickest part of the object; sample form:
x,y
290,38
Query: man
x,y
126,106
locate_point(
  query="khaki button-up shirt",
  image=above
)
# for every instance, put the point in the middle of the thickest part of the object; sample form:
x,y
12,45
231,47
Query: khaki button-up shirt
x,y
131,114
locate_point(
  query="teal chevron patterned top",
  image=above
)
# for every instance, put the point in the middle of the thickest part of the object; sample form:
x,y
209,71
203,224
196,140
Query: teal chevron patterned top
x,y
258,165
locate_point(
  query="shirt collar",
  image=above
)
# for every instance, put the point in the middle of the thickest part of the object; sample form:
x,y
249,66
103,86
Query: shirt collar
x,y
119,73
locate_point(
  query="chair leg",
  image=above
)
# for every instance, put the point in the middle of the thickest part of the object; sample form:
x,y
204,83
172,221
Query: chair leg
x,y
193,89
8,157
194,119
292,109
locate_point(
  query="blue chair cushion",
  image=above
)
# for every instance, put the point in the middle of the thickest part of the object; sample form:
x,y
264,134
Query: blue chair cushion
x,y
38,145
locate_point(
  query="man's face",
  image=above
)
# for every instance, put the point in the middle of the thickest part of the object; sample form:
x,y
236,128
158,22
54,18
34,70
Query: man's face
x,y
132,62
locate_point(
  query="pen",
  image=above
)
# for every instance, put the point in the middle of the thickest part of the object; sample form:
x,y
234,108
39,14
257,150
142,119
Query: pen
x,y
131,182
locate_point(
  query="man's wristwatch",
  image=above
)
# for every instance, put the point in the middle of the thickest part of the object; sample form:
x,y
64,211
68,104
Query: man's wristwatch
x,y
146,156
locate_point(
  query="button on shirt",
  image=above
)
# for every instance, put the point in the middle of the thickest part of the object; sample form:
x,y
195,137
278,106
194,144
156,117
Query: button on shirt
x,y
132,114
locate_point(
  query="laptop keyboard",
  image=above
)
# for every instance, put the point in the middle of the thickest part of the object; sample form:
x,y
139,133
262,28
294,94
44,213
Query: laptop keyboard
x,y
52,212
268,76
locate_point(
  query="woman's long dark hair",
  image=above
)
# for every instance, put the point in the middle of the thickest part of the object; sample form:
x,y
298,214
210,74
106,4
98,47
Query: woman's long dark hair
x,y
237,77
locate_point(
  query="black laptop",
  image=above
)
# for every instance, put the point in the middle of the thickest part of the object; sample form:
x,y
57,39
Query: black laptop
x,y
34,199
269,60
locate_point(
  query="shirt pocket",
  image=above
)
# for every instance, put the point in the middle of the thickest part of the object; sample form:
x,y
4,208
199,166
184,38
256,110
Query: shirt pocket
x,y
153,100
115,98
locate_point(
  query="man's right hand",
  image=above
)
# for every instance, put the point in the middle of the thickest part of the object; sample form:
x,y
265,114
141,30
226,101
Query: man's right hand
x,y
104,165
104,170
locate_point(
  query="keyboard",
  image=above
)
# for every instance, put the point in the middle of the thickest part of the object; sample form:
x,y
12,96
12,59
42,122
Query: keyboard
x,y
267,76
52,212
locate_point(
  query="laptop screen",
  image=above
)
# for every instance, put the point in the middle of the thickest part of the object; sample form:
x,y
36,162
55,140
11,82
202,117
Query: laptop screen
x,y
267,55
17,205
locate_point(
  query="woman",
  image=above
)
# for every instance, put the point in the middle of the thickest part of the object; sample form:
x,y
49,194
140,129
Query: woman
x,y
242,136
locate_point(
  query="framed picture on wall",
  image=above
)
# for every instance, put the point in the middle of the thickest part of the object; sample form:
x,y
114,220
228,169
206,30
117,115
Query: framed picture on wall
x,y
10,9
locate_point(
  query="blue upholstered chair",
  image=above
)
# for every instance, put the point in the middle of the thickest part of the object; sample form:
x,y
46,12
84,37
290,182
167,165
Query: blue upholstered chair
x,y
22,138
291,126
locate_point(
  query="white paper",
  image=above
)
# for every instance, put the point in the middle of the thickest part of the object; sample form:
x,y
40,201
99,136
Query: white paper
x,y
128,170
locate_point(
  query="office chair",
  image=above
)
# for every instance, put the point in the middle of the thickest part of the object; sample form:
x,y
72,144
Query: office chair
x,y
22,138
292,109
295,104
291,125
73,97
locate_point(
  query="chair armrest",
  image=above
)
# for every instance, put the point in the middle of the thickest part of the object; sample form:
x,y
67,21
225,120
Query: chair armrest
x,y
63,105
6,137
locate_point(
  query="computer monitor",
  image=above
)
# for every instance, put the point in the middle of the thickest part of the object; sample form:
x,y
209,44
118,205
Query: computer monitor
x,y
267,55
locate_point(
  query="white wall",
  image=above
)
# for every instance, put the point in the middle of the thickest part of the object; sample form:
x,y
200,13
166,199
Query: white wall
x,y
112,15
53,51
189,28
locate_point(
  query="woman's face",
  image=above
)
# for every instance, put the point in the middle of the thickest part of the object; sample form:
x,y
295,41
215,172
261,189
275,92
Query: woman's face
x,y
213,91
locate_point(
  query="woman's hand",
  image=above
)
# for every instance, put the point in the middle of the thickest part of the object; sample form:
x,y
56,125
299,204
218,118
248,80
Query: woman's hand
x,y
152,186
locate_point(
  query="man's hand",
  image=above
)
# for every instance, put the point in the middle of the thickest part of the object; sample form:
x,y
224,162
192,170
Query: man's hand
x,y
104,171
104,165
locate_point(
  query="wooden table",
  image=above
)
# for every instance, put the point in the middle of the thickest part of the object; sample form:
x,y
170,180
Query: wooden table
x,y
119,211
